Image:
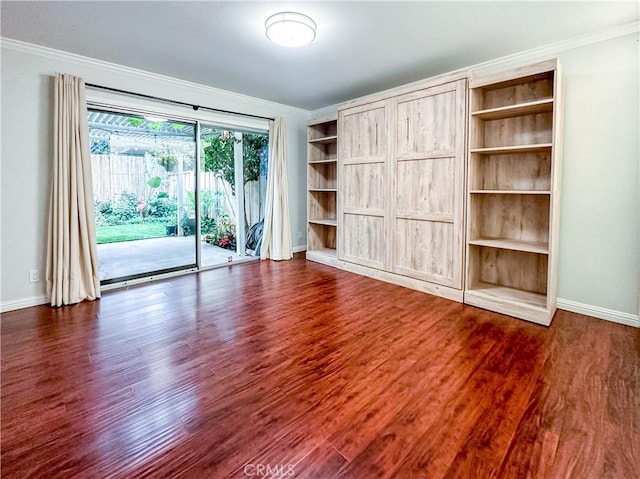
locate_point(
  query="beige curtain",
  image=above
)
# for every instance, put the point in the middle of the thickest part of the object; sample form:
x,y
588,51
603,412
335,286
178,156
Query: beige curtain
x,y
276,238
72,260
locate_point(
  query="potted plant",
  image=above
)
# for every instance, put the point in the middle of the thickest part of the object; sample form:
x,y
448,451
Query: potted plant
x,y
171,229
168,161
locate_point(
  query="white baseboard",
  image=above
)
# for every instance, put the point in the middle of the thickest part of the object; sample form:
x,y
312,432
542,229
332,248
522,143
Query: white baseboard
x,y
600,313
23,303
299,249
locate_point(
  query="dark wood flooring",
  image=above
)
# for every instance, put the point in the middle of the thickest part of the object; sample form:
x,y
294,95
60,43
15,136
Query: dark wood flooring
x,y
295,369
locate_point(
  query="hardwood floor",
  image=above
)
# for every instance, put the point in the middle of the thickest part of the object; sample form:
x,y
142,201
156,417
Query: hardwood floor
x,y
295,369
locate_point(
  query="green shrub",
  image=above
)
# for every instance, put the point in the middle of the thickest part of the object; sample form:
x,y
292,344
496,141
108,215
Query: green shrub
x,y
162,207
121,211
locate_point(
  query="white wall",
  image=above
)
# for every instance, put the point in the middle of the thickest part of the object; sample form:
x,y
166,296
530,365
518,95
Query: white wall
x,y
600,233
27,144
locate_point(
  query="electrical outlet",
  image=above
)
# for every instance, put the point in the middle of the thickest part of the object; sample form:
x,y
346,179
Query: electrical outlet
x,y
34,276
300,235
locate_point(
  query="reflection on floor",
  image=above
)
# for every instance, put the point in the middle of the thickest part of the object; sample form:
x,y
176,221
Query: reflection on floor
x,y
118,260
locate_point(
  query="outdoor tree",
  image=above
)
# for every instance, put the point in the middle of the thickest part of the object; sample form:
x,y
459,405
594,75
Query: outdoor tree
x,y
219,156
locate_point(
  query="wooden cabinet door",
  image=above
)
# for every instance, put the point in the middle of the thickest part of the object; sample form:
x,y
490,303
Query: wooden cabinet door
x,y
363,185
428,169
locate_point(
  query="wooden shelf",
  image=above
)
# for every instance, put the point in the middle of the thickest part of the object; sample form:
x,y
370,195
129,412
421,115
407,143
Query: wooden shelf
x,y
506,150
515,245
518,297
322,162
322,191
322,175
512,211
325,139
509,192
510,111
326,222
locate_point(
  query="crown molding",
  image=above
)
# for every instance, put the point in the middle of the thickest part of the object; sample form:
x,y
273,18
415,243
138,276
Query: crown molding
x,y
51,53
552,49
326,113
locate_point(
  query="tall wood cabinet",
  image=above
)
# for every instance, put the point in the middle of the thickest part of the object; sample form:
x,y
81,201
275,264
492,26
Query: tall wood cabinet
x,y
390,198
513,192
322,185
401,186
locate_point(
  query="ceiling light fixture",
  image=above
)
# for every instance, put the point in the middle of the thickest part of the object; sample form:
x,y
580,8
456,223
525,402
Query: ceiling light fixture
x,y
290,29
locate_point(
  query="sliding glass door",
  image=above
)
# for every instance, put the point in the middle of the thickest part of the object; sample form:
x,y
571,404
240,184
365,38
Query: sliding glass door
x,y
144,194
172,195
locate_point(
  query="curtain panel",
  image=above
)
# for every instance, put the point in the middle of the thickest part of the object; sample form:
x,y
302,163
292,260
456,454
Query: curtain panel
x,y
72,259
276,239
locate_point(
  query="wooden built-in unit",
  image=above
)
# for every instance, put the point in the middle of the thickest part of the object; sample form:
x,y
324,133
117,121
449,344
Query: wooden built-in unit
x,y
513,191
389,202
322,187
401,185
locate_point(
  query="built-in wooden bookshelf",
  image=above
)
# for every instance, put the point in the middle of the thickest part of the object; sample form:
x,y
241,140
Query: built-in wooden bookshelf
x,y
513,192
322,191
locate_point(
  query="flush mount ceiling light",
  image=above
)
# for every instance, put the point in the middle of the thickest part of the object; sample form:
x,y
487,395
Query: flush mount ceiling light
x,y
290,29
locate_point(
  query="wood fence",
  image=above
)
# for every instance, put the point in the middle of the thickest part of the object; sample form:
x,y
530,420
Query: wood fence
x,y
116,174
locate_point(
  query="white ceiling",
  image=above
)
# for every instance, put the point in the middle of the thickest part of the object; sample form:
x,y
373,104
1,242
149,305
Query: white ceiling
x,y
361,47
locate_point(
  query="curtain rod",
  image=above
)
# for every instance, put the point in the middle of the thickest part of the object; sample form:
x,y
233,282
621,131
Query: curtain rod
x,y
175,102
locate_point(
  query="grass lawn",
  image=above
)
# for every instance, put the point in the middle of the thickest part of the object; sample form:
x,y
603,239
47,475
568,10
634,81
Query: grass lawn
x,y
117,233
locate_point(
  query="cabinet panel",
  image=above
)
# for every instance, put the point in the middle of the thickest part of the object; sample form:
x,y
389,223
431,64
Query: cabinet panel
x,y
364,241
364,136
363,187
425,187
424,125
424,250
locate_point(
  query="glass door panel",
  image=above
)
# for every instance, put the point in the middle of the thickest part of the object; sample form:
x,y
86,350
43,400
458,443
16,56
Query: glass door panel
x,y
144,194
232,189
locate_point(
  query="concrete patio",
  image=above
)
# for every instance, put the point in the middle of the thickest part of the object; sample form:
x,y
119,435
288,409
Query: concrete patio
x,y
127,258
